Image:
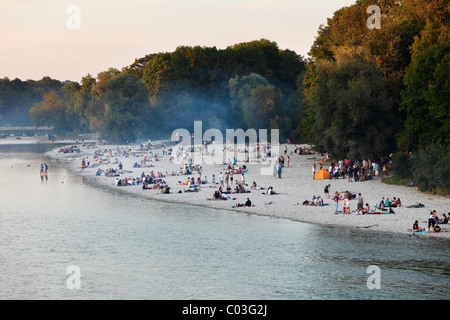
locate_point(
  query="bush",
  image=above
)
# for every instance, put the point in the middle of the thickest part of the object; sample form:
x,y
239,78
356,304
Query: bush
x,y
431,169
401,165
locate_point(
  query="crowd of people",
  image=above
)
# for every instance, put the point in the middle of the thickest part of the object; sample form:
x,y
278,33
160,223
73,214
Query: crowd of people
x,y
71,149
232,179
387,203
433,222
315,201
353,171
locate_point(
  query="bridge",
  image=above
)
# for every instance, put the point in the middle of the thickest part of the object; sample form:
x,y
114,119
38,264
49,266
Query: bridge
x,y
25,131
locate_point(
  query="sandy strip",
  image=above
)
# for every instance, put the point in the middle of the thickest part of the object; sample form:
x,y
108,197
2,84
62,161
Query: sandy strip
x,y
295,186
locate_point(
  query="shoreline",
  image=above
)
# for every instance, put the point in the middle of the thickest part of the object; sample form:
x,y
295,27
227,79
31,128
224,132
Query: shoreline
x,y
295,186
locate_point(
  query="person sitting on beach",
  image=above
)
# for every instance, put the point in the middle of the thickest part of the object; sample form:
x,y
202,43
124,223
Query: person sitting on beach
x,y
432,220
416,227
247,203
444,219
337,196
381,204
387,203
318,201
165,190
366,208
270,191
216,195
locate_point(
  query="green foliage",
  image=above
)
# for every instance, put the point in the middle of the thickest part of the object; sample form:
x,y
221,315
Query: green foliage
x,y
431,169
216,87
127,109
425,99
401,165
411,51
51,112
17,97
351,107
394,180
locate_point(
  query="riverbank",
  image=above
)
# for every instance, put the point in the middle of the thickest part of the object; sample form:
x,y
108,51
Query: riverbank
x,y
294,187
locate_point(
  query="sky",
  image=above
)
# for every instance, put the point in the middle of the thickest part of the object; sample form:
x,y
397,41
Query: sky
x,y
66,40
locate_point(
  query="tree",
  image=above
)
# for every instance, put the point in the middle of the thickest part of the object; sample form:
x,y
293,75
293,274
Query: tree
x,y
51,112
425,99
352,109
127,108
242,108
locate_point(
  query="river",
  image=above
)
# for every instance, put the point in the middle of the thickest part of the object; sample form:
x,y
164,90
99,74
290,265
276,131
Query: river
x,y
124,247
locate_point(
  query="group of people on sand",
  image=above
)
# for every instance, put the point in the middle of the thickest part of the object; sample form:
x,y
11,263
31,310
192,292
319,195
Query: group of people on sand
x,y
315,201
386,203
219,194
44,170
346,197
127,182
70,149
305,150
227,179
434,223
350,170
156,184
84,163
111,172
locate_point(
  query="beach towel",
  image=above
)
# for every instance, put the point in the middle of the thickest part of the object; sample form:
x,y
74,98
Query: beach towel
x,y
416,205
418,232
379,212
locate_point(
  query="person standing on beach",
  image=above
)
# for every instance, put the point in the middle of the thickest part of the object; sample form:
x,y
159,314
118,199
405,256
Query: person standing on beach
x,y
326,190
280,168
346,208
227,179
336,205
221,179
360,204
376,168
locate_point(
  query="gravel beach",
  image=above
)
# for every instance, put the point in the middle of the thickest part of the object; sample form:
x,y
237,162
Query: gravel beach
x,y
294,187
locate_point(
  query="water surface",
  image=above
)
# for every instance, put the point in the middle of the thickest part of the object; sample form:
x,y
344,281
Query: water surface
x,y
133,248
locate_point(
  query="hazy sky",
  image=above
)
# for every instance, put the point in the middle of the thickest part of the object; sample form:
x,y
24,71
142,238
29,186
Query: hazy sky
x,y
35,39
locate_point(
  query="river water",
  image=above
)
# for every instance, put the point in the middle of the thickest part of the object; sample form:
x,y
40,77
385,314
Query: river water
x,y
124,247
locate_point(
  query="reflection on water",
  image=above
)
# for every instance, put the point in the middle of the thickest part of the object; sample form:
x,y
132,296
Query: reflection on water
x,y
131,248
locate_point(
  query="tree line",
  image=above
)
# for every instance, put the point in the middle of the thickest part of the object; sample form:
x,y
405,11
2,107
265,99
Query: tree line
x,y
362,93
247,85
369,93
